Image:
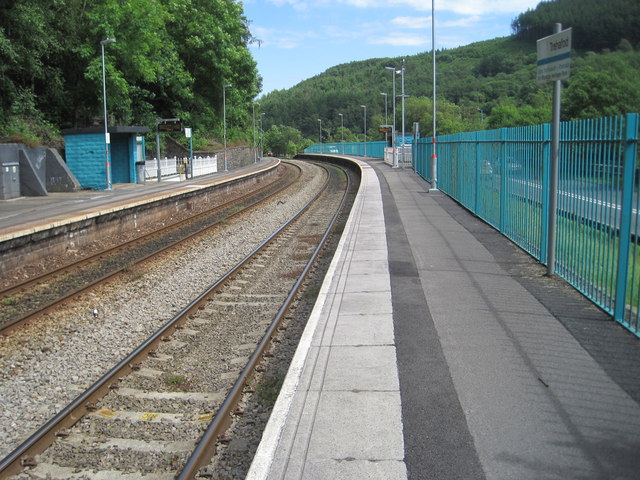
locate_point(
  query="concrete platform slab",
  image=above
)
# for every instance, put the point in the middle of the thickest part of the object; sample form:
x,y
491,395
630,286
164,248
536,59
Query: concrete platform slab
x,y
502,373
339,413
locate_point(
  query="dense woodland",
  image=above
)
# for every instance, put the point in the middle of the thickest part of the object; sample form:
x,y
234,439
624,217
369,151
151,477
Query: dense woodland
x,y
484,85
172,58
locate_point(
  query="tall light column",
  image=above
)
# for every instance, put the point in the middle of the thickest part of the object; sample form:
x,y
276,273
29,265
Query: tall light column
x,y
342,125
320,135
104,98
434,155
393,133
255,148
261,135
365,129
386,117
403,97
224,122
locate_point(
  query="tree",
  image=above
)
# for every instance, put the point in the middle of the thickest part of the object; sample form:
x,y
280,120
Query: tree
x,y
286,141
170,59
603,85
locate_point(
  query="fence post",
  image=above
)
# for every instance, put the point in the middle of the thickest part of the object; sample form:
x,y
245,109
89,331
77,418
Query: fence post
x,y
476,202
624,239
544,197
503,179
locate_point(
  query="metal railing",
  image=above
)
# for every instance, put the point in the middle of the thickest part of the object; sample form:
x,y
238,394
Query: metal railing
x,y
169,166
503,177
374,149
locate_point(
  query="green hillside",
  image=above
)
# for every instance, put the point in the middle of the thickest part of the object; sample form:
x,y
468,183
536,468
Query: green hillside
x,y
484,85
171,59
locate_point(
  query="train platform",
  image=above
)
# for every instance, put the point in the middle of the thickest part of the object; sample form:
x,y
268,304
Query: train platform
x,y
439,350
27,215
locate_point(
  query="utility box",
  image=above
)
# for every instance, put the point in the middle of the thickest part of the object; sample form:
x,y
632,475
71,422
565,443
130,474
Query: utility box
x,y
9,180
140,171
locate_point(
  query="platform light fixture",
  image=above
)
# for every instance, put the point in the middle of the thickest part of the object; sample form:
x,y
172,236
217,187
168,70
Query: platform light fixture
x,y
402,70
365,129
386,115
434,155
393,133
261,136
107,140
320,134
342,125
224,121
255,148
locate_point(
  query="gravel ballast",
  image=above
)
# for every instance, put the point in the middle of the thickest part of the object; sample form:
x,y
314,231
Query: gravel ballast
x,y
47,364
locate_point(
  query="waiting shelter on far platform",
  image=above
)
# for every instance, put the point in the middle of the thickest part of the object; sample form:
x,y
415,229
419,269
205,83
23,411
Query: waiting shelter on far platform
x,y
85,155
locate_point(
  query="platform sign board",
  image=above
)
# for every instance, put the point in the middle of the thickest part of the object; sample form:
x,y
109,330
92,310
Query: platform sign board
x,y
554,57
170,126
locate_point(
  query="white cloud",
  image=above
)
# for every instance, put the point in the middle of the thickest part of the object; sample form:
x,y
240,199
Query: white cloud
x,y
464,7
484,7
462,22
412,22
400,40
269,37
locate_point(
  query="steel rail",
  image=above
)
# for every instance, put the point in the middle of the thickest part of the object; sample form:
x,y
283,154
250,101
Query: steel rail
x,y
222,420
85,402
7,326
147,236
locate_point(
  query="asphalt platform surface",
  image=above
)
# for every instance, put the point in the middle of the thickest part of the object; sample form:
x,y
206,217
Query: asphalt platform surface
x,y
504,372
438,349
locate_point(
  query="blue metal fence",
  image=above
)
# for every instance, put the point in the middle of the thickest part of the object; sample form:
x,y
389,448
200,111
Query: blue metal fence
x,y
374,149
503,177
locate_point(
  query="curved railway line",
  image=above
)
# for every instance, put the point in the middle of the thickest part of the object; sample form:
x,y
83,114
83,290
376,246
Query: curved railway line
x,y
163,410
35,296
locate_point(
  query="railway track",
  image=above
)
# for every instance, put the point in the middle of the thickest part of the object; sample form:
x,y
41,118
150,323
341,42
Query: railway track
x,y
161,411
37,295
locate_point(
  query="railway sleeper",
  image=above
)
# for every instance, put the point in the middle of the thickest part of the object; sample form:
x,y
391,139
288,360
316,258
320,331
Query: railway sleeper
x,y
143,425
47,471
168,402
149,456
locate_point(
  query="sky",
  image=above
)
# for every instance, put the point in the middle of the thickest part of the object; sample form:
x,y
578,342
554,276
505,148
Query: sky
x,y
298,39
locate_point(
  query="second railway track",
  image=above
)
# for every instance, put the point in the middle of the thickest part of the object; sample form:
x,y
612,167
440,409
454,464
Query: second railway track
x,y
149,422
30,298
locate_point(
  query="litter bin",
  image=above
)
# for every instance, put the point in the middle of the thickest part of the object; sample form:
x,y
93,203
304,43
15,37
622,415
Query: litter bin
x,y
140,172
9,180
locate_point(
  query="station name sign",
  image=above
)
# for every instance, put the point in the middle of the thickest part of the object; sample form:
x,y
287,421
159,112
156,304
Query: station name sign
x,y
554,57
170,127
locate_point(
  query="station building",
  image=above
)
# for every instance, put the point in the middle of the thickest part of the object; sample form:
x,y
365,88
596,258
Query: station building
x,y
85,155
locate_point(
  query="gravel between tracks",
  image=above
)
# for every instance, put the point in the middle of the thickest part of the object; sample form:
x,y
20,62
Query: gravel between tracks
x,y
45,365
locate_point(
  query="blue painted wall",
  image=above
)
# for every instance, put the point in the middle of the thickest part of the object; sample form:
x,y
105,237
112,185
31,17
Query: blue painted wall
x,y
85,157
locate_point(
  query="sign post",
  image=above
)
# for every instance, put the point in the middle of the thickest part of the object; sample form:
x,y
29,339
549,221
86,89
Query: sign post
x,y
165,125
554,65
187,133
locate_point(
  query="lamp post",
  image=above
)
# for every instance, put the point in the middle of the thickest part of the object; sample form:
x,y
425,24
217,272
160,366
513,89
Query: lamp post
x,y
224,122
320,135
342,125
393,133
261,135
403,97
365,129
107,140
434,155
255,153
386,117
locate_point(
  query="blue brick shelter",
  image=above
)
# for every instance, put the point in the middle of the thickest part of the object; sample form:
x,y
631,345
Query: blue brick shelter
x,y
85,154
